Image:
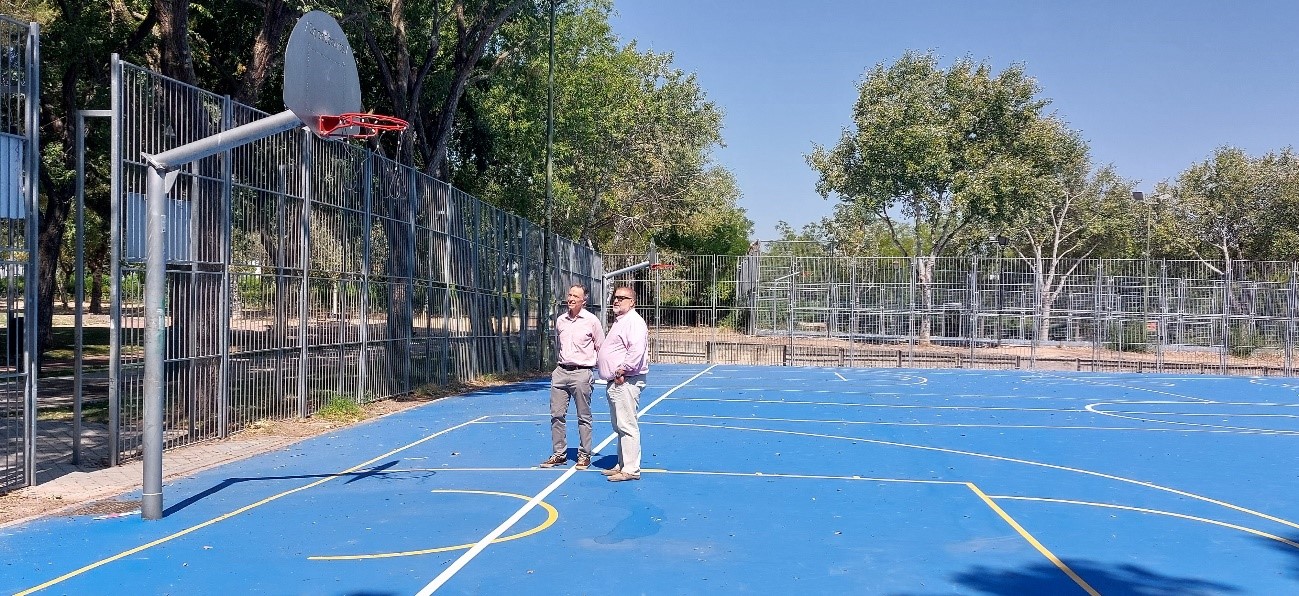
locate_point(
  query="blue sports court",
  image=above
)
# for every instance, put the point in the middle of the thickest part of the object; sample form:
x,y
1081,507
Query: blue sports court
x,y
766,480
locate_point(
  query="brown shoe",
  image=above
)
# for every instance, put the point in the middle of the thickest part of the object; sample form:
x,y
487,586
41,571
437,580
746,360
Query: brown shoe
x,y
583,461
619,477
557,459
611,471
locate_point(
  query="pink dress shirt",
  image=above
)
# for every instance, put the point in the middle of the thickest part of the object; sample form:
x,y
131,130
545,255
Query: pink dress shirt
x,y
578,338
625,347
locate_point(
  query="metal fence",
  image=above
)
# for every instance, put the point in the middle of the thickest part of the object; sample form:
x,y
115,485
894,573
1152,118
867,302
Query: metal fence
x,y
780,305
19,211
301,271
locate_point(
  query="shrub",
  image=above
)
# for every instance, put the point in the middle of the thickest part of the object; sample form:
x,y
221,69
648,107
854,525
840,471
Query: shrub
x,y
1127,336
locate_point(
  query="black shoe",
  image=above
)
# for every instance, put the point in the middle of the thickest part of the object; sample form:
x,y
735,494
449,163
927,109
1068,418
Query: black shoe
x,y
557,459
583,461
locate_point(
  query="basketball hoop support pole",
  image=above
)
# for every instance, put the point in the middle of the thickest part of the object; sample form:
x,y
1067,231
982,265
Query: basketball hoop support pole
x,y
604,310
178,156
161,177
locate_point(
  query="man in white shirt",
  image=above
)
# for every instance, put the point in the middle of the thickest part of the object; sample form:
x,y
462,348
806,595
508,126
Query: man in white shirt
x,y
622,362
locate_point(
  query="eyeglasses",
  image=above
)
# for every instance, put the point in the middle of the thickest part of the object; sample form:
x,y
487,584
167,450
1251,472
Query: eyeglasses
x,y
617,298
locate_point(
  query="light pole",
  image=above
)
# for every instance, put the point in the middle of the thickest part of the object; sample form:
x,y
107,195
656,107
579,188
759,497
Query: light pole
x,y
547,297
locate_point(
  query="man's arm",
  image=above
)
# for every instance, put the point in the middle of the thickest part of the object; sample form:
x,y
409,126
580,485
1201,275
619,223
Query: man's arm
x,y
637,345
597,334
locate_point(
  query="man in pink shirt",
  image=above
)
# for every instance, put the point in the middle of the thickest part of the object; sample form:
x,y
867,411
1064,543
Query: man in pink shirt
x,y
621,361
578,335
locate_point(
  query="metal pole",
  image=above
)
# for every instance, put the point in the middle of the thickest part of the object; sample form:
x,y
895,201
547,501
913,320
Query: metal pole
x,y
362,359
154,340
31,287
304,292
115,267
974,304
547,298
161,176
227,191
1226,317
1290,320
79,282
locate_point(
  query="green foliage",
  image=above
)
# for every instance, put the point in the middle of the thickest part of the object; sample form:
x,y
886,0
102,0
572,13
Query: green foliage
x,y
1231,206
340,408
632,142
1127,336
732,320
1243,340
946,148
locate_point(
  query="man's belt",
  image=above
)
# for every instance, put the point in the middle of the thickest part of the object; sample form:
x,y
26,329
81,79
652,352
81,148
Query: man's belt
x,y
575,367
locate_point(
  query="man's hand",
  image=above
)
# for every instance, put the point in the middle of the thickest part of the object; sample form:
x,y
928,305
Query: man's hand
x,y
618,377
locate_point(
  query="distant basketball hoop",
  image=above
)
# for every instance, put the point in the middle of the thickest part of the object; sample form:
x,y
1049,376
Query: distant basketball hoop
x,y
661,266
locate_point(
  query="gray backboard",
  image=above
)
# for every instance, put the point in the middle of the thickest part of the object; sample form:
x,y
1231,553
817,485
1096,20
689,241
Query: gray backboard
x,y
320,72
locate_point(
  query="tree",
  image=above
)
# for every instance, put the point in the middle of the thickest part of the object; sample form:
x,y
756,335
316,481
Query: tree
x,y
1076,214
851,231
425,54
632,144
713,225
947,149
1219,209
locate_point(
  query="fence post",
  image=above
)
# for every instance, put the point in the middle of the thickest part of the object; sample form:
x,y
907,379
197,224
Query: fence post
x,y
712,292
911,310
974,304
304,293
364,315
227,191
118,198
1038,314
1226,316
852,310
1290,321
1098,332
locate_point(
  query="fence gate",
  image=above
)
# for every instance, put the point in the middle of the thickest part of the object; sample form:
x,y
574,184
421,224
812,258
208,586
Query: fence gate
x,y
19,155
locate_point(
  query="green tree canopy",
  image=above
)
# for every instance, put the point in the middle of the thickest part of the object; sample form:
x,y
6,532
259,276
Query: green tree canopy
x,y
948,149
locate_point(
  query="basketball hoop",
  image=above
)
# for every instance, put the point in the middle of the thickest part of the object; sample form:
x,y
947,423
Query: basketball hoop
x,y
368,125
661,266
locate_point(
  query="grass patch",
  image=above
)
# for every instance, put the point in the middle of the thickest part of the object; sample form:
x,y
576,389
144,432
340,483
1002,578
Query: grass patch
x,y
96,412
340,409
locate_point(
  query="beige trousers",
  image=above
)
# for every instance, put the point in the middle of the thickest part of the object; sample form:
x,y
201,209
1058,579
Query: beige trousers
x,y
624,400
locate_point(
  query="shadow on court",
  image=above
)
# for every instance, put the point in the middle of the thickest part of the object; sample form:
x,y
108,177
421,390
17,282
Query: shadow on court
x,y
376,471
1289,551
1121,580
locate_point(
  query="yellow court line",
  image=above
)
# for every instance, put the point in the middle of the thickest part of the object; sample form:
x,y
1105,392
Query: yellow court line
x,y
1033,541
223,517
552,515
1155,512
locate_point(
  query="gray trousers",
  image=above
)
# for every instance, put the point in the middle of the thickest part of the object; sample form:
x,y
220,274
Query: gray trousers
x,y
563,385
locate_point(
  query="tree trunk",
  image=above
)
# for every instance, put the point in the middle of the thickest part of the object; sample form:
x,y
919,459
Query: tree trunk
x,y
175,58
924,285
276,17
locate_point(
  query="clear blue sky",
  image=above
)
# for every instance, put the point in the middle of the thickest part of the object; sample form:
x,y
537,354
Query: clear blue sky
x,y
1153,86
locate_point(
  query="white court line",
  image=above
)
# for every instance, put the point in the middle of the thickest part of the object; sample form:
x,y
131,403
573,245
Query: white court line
x,y
478,547
840,376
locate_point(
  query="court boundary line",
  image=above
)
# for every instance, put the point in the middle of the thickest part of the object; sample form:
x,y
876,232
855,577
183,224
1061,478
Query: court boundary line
x,y
1027,462
228,515
1173,514
1082,583
464,559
